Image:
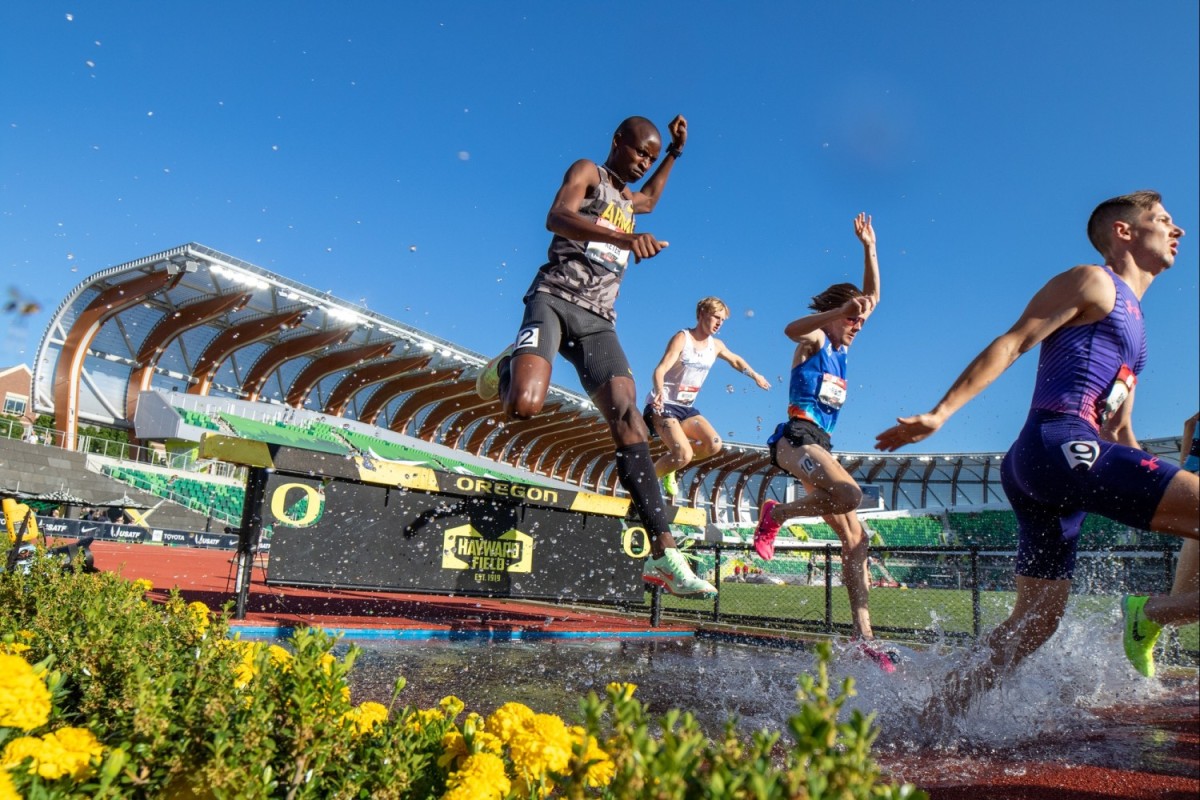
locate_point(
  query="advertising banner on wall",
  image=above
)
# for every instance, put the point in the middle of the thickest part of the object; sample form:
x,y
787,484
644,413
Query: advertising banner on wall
x,y
497,540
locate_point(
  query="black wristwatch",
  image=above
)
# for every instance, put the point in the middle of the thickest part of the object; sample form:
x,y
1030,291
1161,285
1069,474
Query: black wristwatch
x,y
672,150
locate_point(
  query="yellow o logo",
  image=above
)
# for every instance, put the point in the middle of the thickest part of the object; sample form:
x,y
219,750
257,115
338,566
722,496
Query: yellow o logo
x,y
627,542
279,504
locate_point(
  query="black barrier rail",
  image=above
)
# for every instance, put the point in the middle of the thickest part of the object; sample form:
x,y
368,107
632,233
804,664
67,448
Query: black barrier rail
x,y
956,593
367,523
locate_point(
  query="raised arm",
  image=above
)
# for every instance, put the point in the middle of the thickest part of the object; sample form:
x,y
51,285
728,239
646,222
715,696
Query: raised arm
x,y
564,218
805,328
645,199
741,365
866,234
1078,296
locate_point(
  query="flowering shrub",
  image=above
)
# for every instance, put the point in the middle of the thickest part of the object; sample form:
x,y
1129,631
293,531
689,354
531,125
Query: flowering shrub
x,y
107,695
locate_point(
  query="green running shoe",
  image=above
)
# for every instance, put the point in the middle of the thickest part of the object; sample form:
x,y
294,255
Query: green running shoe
x,y
672,573
487,385
1141,633
669,484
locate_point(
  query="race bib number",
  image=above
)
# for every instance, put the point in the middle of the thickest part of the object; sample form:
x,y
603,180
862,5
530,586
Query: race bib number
x,y
686,395
1118,393
833,391
1081,454
607,255
527,337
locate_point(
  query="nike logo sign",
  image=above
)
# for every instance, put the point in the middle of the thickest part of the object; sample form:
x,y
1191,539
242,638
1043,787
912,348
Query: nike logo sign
x,y
1133,631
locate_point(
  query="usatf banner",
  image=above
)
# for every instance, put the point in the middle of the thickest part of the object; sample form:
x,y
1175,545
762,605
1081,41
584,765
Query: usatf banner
x,y
461,537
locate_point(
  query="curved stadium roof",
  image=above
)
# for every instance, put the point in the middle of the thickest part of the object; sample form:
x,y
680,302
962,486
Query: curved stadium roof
x,y
198,321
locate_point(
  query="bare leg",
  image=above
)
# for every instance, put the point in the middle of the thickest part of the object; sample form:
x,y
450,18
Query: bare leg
x,y
679,449
833,490
854,569
1179,513
523,385
1034,619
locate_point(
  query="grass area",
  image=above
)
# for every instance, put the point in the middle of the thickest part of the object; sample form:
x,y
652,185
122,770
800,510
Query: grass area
x,y
946,610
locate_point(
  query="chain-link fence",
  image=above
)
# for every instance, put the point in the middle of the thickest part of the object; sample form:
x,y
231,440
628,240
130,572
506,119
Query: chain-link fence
x,y
952,594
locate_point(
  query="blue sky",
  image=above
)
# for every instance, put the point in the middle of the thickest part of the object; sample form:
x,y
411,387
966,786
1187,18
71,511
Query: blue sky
x,y
404,156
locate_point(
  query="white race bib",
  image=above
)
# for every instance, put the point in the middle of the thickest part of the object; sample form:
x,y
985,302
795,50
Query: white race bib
x,y
833,390
607,255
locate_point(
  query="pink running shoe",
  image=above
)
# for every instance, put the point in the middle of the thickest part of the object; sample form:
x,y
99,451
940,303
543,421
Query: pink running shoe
x,y
880,657
764,534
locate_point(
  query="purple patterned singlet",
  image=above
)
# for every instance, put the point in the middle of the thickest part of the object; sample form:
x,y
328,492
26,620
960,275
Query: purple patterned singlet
x,y
1078,366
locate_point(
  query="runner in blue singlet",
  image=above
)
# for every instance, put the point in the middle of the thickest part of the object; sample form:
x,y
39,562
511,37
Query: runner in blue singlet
x,y
801,446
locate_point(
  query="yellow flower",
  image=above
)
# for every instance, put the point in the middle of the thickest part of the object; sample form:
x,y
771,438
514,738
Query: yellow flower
x,y
142,585
246,669
281,659
507,719
542,746
365,716
198,612
417,720
454,749
65,752
452,706
600,768
7,790
481,778
622,690
24,698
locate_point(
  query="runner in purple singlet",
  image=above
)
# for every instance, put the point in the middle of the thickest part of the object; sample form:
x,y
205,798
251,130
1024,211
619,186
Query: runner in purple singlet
x,y
1077,452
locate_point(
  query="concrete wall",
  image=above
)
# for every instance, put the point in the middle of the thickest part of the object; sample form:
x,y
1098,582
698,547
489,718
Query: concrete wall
x,y
36,468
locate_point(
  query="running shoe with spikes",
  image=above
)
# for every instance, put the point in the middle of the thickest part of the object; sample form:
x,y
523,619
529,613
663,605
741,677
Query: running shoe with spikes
x,y
487,385
671,572
670,485
764,534
1141,633
884,659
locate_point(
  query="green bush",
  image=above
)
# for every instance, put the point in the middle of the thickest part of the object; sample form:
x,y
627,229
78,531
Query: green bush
x,y
108,695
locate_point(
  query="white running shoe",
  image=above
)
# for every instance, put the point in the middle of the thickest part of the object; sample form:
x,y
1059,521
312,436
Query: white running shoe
x,y
672,572
487,385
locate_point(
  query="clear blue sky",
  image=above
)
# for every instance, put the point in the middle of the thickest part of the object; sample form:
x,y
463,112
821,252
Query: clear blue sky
x,y
325,141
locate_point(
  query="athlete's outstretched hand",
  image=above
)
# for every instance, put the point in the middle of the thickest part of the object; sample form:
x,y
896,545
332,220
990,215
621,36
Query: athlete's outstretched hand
x,y
908,430
678,131
863,229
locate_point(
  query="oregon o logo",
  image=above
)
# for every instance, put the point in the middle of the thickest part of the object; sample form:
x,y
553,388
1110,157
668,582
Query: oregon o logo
x,y
279,505
627,542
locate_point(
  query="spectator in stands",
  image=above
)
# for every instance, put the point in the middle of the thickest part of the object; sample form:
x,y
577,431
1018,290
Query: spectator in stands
x,y
801,446
1077,452
569,311
670,406
118,516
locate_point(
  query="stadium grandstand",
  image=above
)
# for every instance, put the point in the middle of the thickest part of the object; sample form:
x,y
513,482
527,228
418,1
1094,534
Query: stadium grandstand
x,y
171,346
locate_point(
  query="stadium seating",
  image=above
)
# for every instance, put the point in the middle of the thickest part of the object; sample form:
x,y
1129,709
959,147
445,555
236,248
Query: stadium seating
x,y
223,500
282,433
924,531
988,528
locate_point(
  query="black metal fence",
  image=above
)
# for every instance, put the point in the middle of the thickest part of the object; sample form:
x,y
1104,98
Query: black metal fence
x,y
949,594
